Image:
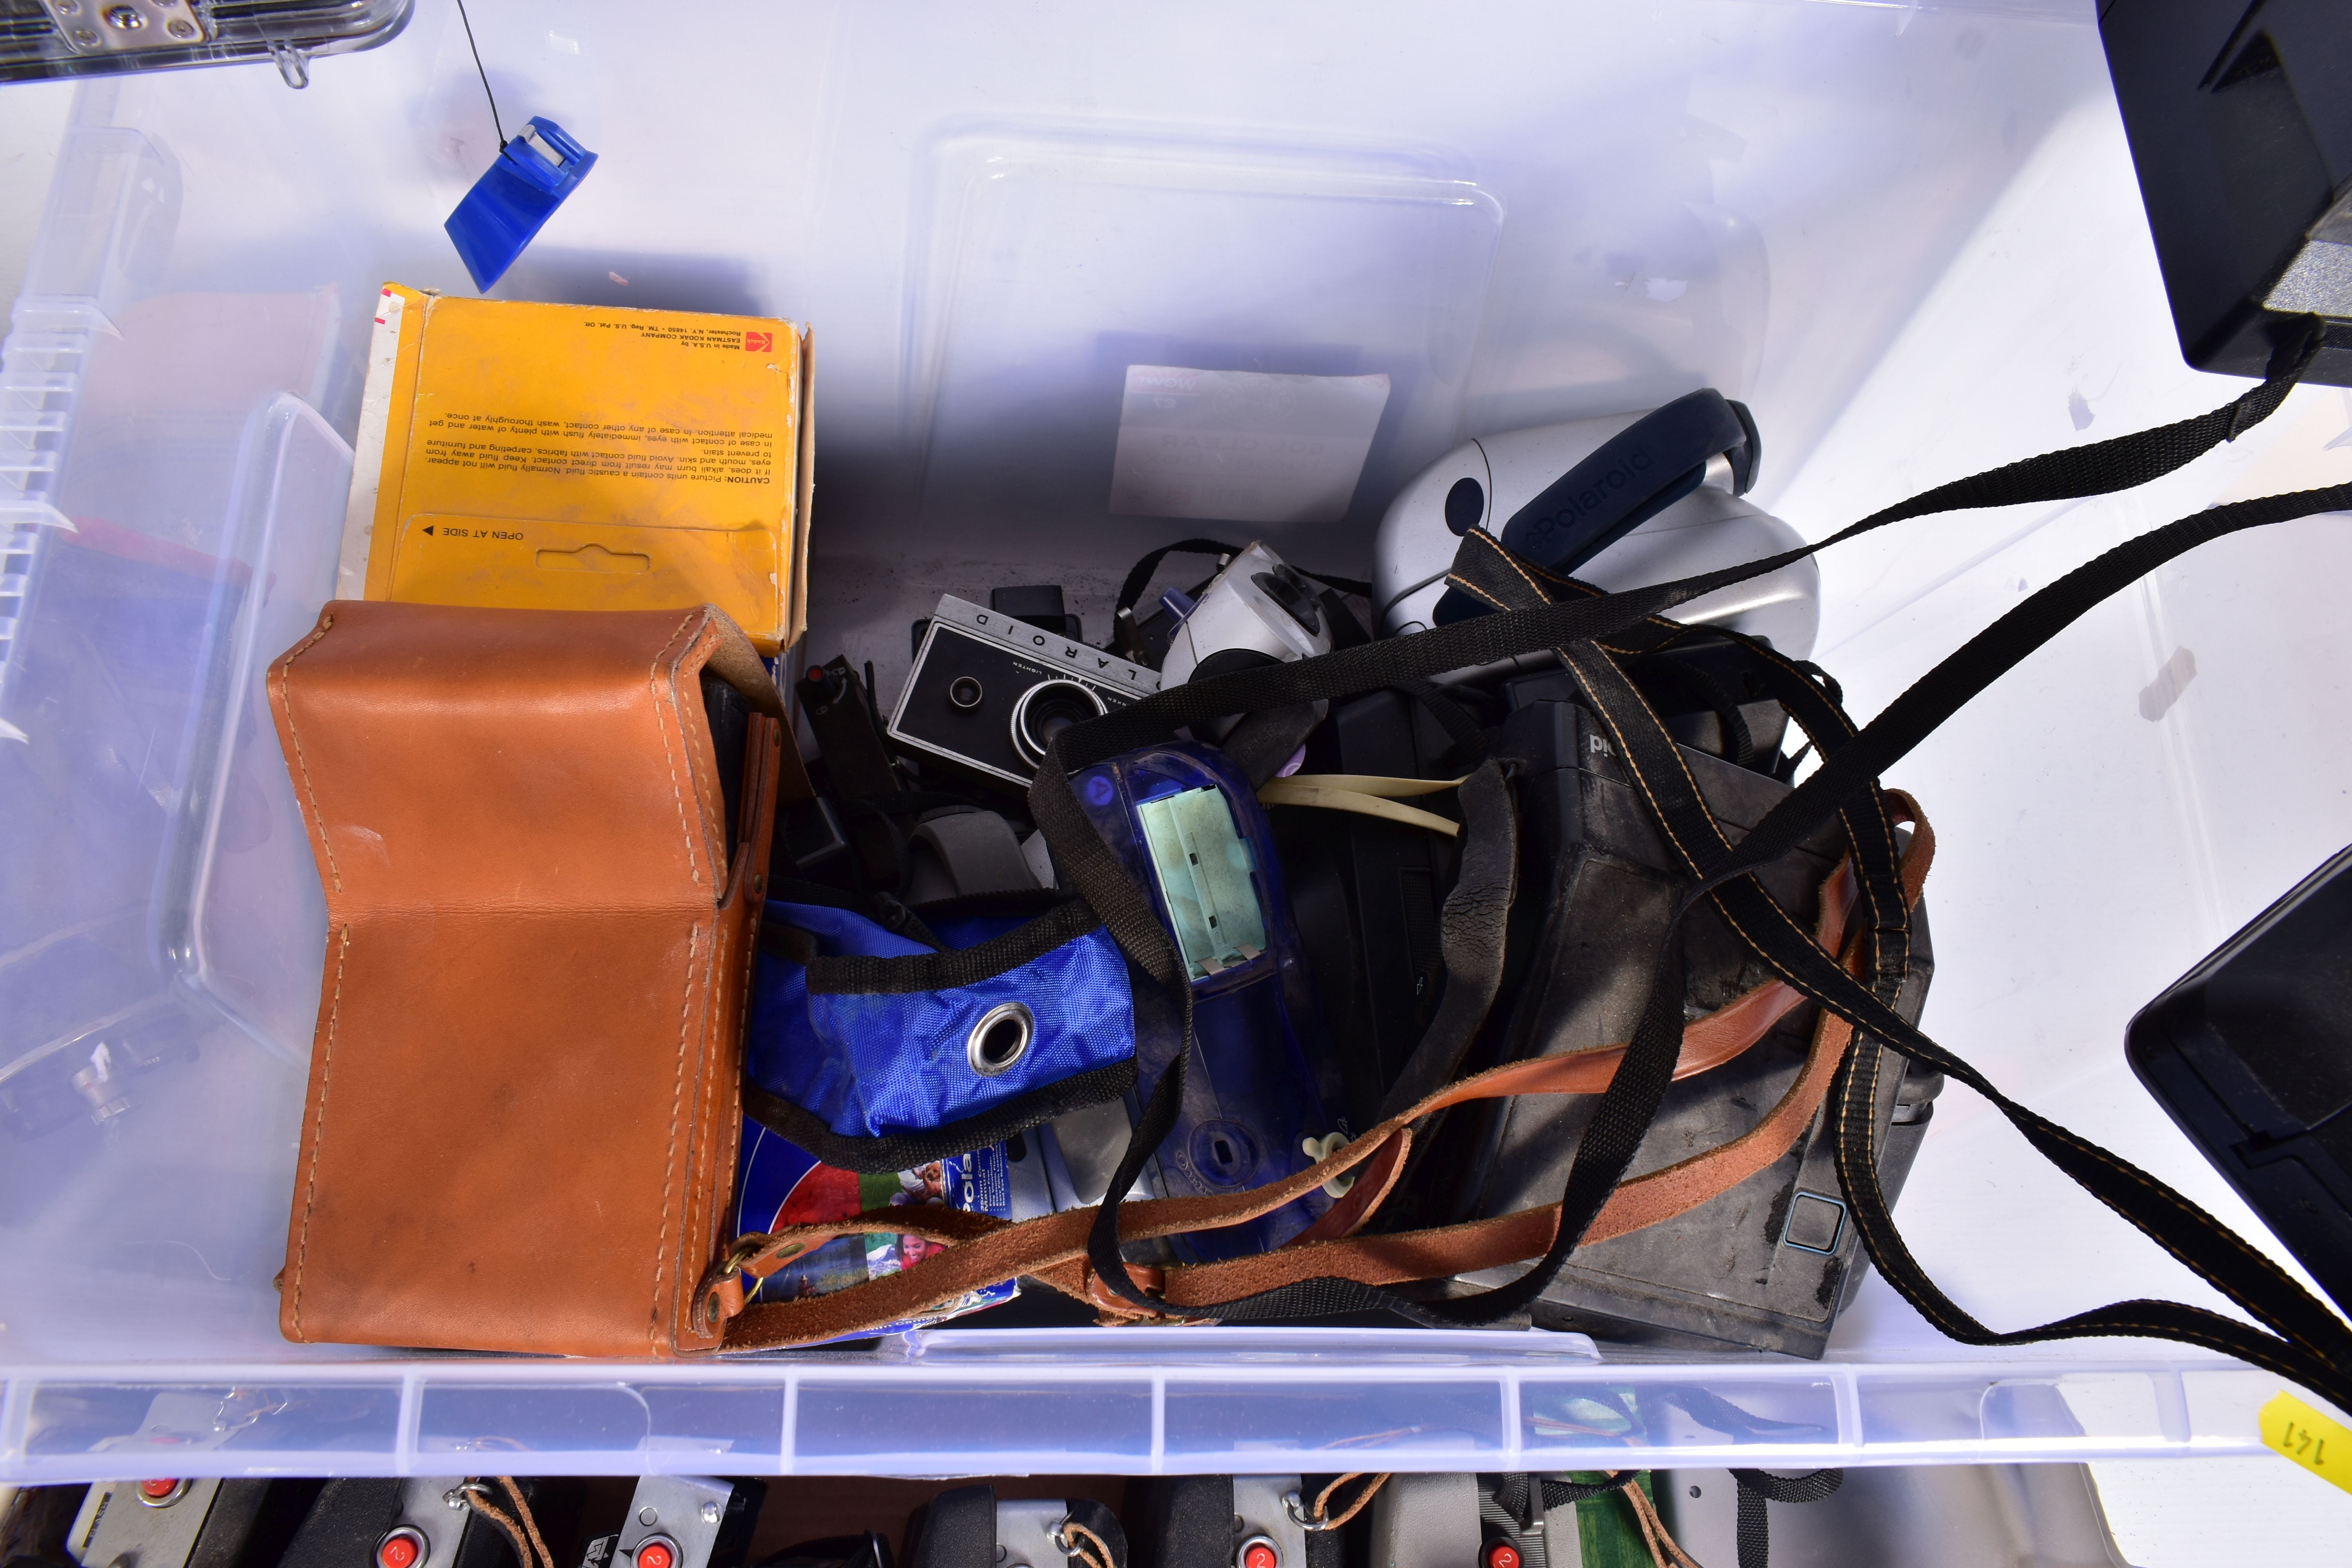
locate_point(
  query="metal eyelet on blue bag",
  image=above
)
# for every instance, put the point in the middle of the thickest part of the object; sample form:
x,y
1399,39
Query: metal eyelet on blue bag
x,y
1001,1038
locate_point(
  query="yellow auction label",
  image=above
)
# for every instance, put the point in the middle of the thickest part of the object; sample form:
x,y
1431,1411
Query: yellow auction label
x,y
2319,1444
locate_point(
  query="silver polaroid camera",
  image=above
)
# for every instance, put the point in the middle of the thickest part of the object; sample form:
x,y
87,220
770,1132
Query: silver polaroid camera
x,y
1255,612
1618,501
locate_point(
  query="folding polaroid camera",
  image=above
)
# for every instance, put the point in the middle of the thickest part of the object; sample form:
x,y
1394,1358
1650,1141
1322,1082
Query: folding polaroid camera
x,y
989,692
1768,1264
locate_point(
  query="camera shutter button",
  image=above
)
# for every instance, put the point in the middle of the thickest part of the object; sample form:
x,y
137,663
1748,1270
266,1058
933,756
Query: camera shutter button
x,y
963,693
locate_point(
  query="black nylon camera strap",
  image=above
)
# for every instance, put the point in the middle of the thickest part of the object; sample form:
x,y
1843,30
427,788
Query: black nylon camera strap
x,y
1804,691
2313,1346
1621,1120
1139,577
1758,1487
2118,463
1472,936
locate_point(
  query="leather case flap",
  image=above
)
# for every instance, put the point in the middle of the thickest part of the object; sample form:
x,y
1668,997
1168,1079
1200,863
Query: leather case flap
x,y
523,1115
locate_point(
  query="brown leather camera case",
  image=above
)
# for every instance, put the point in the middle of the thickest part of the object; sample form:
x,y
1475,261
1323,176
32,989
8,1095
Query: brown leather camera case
x,y
524,1104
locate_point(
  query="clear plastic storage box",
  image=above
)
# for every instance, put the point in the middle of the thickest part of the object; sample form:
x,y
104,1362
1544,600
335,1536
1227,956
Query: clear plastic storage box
x,y
1908,236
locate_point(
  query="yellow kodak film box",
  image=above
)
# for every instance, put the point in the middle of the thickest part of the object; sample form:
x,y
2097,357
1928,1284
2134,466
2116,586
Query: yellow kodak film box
x,y
573,456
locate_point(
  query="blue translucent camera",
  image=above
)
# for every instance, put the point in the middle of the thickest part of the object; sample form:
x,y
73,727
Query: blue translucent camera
x,y
1187,826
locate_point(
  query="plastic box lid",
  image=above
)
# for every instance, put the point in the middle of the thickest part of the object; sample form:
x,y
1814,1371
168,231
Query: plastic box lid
x,y
1909,239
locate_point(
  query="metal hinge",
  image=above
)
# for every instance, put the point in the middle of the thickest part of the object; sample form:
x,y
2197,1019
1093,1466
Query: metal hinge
x,y
128,26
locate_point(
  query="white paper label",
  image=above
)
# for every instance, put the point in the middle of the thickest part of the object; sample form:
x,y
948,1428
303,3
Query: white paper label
x,y
1243,445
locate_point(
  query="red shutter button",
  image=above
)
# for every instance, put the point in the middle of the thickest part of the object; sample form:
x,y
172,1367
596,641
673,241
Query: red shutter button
x,y
656,1553
1261,1554
1502,1554
160,1491
404,1548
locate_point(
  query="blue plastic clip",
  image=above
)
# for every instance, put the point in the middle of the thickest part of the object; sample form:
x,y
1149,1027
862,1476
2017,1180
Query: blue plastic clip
x,y
510,203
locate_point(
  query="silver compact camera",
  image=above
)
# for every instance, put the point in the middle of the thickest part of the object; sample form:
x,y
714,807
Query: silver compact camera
x,y
989,692
1255,612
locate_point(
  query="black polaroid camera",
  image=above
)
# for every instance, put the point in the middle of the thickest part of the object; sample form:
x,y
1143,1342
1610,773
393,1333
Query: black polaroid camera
x,y
990,690
2250,1052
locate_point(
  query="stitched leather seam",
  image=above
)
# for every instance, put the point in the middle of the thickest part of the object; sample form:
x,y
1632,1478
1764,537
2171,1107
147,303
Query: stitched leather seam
x,y
710,797
319,1130
286,696
697,1203
703,1206
734,1126
670,1159
661,724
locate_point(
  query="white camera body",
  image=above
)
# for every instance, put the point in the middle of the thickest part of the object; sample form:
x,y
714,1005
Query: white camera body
x,y
1709,528
1255,612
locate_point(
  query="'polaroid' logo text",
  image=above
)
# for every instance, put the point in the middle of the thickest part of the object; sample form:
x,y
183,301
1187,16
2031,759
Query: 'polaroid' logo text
x,y
1590,498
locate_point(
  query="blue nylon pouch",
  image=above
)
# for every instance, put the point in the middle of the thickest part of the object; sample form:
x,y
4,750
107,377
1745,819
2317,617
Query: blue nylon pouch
x,y
875,1051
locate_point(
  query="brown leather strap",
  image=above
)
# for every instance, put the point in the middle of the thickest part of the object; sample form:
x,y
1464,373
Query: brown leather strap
x,y
1638,1204
981,1249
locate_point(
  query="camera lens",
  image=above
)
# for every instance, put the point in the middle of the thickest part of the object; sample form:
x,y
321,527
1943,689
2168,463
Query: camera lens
x,y
1285,588
963,693
1047,709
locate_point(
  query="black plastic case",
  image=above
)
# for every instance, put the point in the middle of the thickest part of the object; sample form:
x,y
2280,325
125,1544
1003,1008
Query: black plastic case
x,y
2250,1052
2241,136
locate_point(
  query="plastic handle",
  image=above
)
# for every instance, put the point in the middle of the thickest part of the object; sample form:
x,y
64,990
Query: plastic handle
x,y
1637,474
